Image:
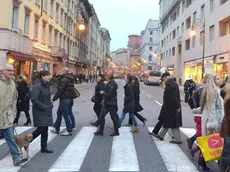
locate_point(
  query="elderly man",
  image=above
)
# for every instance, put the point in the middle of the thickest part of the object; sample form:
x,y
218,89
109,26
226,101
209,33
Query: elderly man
x,y
8,94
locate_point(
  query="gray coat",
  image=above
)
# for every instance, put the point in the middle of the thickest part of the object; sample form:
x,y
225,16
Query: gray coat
x,y
42,104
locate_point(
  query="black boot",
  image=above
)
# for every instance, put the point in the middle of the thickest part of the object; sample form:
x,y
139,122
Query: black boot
x,y
28,120
16,121
46,151
201,162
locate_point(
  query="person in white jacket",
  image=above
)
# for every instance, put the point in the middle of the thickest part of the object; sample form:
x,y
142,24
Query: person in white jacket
x,y
212,106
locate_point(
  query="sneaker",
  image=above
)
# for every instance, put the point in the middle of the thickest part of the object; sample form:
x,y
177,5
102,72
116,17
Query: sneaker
x,y
19,161
54,131
74,128
66,133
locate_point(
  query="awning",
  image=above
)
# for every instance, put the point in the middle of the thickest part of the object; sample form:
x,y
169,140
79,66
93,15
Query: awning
x,y
21,56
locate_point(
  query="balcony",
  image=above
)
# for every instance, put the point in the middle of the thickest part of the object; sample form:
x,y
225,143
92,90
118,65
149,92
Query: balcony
x,y
58,51
15,42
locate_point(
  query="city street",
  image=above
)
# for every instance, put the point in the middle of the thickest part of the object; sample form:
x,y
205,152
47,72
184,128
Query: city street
x,y
128,152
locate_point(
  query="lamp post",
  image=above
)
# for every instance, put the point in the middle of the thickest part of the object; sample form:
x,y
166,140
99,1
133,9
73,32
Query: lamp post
x,y
200,23
81,28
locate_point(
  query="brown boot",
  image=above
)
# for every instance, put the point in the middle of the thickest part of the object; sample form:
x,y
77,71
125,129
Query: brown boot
x,y
134,129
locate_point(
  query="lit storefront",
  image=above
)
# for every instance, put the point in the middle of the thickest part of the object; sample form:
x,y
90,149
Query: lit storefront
x,y
220,66
23,64
193,69
43,55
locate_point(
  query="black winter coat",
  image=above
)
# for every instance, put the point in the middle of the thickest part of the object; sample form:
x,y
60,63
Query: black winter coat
x,y
138,106
65,87
171,102
110,96
42,104
129,101
99,87
23,104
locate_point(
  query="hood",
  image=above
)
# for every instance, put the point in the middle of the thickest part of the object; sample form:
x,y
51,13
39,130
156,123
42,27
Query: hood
x,y
112,82
68,76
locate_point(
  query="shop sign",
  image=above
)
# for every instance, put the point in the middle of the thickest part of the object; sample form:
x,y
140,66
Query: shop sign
x,y
41,47
208,63
55,24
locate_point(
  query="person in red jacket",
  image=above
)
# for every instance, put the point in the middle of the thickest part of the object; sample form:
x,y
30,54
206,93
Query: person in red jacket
x,y
197,120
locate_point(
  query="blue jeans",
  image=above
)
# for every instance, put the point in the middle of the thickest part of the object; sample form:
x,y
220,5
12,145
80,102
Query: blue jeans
x,y
9,135
72,118
64,110
131,115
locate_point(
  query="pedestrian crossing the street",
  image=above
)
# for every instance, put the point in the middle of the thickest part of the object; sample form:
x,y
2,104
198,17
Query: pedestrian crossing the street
x,y
84,152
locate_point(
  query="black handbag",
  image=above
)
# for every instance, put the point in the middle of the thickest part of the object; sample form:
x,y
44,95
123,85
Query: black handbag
x,y
93,99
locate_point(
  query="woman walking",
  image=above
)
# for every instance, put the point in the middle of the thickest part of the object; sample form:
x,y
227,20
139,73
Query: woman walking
x,y
42,109
138,107
212,110
129,103
98,97
23,102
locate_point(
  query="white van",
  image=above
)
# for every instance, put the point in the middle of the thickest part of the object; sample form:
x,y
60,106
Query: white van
x,y
152,77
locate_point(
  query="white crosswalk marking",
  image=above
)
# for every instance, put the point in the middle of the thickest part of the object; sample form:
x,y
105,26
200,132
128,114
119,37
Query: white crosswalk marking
x,y
124,156
123,153
19,130
173,157
6,163
78,147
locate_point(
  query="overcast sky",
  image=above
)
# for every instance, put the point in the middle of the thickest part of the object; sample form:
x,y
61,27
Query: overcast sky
x,y
125,17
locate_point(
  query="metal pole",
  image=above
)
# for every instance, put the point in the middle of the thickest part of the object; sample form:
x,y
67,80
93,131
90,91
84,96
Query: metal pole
x,y
68,34
203,71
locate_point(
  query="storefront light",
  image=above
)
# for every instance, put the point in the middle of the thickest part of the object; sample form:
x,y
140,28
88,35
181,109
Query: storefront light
x,y
11,60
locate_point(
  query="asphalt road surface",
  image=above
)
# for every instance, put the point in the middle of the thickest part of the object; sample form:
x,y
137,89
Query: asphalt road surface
x,y
129,152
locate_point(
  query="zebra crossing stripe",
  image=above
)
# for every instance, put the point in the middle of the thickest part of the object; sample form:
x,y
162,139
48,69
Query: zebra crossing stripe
x,y
189,132
73,156
19,130
124,156
173,157
6,163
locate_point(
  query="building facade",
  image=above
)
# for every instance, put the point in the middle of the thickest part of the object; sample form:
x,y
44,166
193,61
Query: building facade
x,y
105,35
183,53
133,51
94,25
120,57
40,34
149,45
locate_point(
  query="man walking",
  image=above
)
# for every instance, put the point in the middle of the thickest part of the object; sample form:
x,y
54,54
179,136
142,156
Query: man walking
x,y
109,105
66,93
8,100
170,115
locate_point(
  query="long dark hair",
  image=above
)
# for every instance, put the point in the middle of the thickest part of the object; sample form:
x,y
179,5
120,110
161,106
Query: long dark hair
x,y
136,80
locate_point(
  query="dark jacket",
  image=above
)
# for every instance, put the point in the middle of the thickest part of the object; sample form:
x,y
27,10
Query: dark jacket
x,y
65,87
42,104
171,101
136,88
129,102
99,87
110,95
23,103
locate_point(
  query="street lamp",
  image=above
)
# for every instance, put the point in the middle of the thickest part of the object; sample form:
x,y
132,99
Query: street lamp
x,y
200,23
